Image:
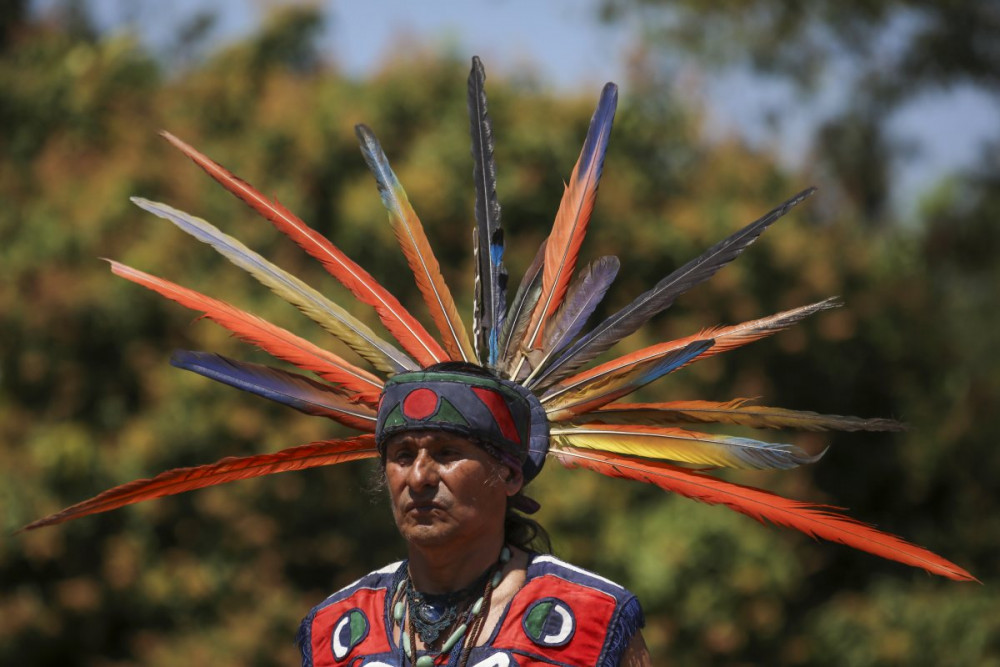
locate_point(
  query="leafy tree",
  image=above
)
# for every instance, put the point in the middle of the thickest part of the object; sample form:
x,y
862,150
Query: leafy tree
x,y
881,56
87,399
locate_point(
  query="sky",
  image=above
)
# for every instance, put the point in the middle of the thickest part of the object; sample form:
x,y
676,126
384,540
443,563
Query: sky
x,y
564,46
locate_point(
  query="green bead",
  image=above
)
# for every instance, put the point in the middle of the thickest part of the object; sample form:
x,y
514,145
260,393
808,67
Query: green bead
x,y
455,636
425,661
496,579
406,644
504,555
397,611
477,607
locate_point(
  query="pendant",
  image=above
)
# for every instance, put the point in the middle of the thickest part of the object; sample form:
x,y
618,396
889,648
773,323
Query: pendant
x,y
432,620
429,613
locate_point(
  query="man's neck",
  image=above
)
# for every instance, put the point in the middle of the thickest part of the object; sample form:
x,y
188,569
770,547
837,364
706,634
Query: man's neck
x,y
448,568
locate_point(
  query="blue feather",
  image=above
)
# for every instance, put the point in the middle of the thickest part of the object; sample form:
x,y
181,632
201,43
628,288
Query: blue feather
x,y
291,389
600,128
582,298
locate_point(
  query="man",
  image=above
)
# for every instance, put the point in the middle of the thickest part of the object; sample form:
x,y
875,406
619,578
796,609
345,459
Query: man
x,y
453,441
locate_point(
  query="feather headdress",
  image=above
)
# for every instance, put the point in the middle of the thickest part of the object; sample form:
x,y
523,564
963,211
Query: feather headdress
x,y
536,346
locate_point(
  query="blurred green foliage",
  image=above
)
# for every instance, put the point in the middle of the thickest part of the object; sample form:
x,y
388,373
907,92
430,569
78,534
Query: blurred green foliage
x,y
221,576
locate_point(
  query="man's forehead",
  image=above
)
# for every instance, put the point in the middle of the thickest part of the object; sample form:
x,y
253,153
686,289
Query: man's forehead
x,y
429,438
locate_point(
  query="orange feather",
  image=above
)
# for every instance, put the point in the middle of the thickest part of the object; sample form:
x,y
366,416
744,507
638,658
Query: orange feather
x,y
417,249
268,337
412,336
231,469
573,216
814,520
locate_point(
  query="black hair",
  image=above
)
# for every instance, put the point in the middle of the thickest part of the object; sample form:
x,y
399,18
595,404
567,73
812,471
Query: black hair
x,y
525,533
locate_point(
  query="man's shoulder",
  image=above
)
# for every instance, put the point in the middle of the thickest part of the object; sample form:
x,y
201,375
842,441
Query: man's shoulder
x,y
374,580
569,615
545,564
360,590
348,617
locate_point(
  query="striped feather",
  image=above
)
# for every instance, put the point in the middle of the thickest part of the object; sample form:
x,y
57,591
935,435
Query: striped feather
x,y
736,412
674,444
813,520
231,469
628,320
417,249
582,297
334,319
491,276
291,389
268,337
410,334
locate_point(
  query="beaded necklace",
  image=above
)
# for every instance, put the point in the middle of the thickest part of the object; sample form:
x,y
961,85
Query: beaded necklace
x,y
431,615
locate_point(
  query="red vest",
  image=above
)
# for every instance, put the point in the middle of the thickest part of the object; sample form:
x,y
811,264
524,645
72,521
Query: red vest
x,y
563,615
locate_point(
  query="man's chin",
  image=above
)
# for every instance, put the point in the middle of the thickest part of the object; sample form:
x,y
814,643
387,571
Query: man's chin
x,y
429,533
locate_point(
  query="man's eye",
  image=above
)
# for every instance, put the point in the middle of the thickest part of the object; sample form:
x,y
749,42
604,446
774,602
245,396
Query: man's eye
x,y
401,457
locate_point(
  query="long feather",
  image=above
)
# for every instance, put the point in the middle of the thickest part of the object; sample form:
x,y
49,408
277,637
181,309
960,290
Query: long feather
x,y
412,336
491,276
337,321
413,240
726,338
816,521
270,338
519,316
737,412
661,296
291,389
562,404
571,221
677,444
231,469
582,297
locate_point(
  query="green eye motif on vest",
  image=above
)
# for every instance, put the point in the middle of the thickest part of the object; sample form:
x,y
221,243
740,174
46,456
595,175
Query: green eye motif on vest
x,y
549,622
348,632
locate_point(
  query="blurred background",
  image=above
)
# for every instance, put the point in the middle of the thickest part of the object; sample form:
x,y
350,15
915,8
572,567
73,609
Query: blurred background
x,y
726,109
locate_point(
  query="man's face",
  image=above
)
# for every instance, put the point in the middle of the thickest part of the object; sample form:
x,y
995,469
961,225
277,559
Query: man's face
x,y
445,489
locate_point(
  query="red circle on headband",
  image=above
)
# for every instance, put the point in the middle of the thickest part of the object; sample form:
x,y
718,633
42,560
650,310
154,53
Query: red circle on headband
x,y
420,403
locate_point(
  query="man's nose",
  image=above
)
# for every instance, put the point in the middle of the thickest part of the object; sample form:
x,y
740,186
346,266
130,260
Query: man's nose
x,y
424,471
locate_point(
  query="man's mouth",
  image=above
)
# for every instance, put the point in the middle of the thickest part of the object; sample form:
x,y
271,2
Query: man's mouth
x,y
422,506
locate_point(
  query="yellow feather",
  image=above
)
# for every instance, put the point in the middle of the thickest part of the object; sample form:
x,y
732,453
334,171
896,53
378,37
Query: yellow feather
x,y
334,319
674,444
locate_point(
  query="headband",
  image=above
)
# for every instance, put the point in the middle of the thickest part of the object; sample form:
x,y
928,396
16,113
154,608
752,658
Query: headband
x,y
486,409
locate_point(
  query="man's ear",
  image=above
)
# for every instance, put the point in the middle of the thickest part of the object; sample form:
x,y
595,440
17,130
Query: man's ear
x,y
513,480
